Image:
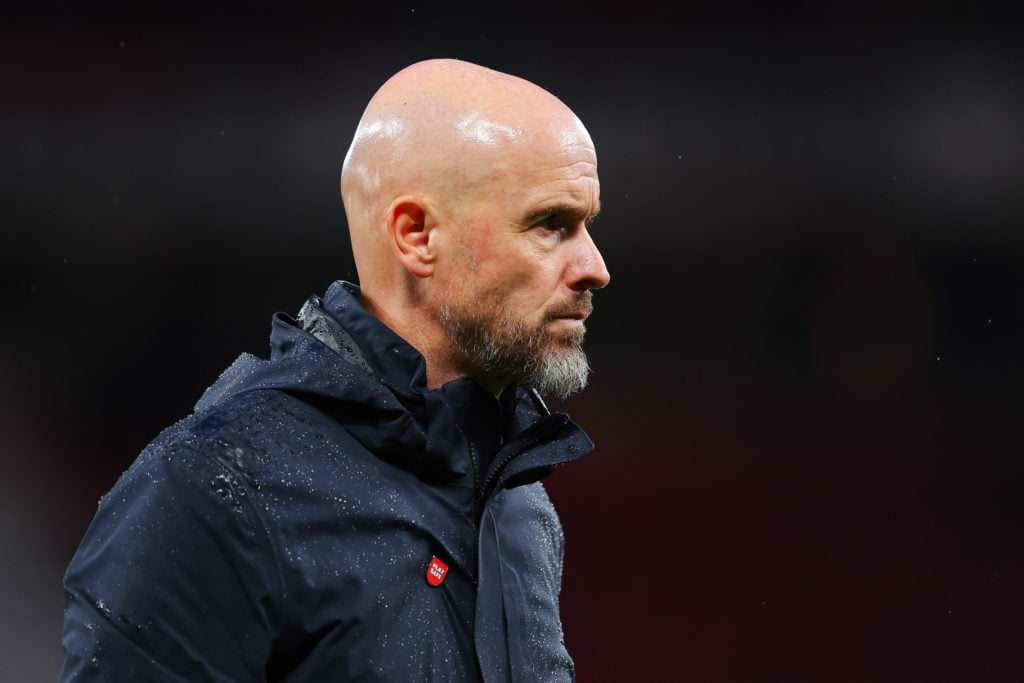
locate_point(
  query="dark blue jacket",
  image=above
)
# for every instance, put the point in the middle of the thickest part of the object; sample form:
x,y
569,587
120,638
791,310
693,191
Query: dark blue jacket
x,y
284,530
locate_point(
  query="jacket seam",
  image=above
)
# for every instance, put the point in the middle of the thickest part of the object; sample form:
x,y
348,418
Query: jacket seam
x,y
256,519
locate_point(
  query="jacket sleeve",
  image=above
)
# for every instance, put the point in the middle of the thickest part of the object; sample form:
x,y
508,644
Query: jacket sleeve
x,y
174,577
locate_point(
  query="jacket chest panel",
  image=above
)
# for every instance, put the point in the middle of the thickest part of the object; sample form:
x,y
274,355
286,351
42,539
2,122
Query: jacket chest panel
x,y
355,538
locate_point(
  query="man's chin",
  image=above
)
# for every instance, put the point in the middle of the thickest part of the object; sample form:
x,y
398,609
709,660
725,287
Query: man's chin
x,y
563,373
566,334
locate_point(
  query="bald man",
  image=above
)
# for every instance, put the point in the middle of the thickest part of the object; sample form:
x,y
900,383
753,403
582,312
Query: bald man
x,y
366,505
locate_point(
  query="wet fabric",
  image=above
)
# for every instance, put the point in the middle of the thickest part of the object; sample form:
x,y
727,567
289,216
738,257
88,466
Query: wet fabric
x,y
284,530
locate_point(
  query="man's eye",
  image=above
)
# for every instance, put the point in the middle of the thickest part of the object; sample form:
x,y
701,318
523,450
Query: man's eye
x,y
553,224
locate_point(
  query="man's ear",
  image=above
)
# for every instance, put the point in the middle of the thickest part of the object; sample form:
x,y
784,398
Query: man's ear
x,y
411,229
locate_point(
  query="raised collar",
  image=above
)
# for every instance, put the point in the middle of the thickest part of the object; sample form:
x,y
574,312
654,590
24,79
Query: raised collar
x,y
347,363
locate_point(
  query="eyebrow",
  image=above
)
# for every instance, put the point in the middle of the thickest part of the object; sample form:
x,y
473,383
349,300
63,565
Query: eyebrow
x,y
570,210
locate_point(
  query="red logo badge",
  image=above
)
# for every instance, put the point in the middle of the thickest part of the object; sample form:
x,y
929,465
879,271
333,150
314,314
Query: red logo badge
x,y
436,571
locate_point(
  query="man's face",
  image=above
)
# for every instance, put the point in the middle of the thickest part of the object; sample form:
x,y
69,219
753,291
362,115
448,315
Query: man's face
x,y
514,303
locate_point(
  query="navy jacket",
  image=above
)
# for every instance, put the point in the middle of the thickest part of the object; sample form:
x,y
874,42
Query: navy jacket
x,y
285,530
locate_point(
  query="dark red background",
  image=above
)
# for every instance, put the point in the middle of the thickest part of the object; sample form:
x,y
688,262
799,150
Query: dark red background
x,y
808,366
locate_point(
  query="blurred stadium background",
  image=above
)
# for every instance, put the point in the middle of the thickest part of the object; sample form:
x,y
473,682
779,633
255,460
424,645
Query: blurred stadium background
x,y
807,389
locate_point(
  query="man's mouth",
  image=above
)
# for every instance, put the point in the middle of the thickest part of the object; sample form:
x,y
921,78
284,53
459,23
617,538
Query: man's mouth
x,y
578,310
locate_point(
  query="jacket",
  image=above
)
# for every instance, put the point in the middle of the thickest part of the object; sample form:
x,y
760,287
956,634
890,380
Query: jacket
x,y
322,516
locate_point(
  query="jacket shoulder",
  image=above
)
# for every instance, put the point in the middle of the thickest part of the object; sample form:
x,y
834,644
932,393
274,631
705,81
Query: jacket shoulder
x,y
175,574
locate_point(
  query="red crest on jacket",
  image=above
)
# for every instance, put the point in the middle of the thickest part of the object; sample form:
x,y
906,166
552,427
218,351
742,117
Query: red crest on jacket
x,y
436,571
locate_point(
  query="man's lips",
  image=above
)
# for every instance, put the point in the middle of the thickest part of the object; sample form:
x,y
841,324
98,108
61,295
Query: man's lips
x,y
579,311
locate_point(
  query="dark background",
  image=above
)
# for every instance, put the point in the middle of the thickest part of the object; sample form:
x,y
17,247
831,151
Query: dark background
x,y
808,364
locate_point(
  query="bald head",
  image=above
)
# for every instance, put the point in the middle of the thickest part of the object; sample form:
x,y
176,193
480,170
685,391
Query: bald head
x,y
447,131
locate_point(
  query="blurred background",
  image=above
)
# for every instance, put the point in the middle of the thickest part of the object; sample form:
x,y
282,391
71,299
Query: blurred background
x,y
807,389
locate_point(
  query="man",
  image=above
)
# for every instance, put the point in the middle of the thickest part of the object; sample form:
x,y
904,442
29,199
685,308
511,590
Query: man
x,y
365,505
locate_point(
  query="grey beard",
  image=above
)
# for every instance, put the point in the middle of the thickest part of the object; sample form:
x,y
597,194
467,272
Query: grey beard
x,y
505,351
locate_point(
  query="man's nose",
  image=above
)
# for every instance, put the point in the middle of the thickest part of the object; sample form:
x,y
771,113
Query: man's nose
x,y
588,269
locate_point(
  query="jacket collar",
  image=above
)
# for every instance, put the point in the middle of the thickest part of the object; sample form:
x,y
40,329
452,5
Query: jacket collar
x,y
347,363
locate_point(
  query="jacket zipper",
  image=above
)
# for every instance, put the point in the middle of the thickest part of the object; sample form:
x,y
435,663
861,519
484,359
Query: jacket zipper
x,y
496,472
